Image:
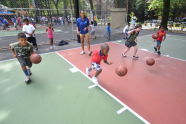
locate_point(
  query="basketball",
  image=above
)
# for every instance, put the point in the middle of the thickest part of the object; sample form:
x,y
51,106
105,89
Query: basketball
x,y
150,61
121,70
154,36
35,58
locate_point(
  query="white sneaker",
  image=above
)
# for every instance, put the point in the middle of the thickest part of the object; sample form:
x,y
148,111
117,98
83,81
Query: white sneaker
x,y
124,55
27,80
82,52
87,71
95,80
51,47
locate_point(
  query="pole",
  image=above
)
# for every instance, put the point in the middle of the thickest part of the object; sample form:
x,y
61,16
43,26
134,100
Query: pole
x,y
77,8
76,2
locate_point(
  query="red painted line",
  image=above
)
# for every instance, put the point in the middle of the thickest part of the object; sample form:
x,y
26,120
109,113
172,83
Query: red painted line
x,y
157,93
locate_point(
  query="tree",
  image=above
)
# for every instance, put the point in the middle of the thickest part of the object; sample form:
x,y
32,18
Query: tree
x,y
119,3
65,3
165,16
141,10
76,8
92,7
56,3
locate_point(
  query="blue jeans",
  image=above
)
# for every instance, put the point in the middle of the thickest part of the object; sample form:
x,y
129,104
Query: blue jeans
x,y
158,42
108,35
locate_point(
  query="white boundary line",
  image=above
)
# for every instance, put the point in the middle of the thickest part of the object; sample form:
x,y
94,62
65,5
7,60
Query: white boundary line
x,y
121,110
153,52
92,86
106,91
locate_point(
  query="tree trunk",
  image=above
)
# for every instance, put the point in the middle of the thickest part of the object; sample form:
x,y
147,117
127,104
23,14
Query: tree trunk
x,y
76,8
165,16
98,8
119,3
65,7
92,7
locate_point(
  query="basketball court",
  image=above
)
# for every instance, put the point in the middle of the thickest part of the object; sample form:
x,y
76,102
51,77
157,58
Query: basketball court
x,y
62,93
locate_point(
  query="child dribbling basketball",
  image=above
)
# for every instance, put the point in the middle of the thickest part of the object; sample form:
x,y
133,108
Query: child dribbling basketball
x,y
97,57
161,37
131,41
22,51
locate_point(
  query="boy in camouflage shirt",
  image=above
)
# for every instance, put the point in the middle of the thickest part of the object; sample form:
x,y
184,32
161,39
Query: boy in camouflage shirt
x,y
131,41
22,51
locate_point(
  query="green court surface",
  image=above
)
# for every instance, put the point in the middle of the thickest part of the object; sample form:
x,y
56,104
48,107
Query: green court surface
x,y
15,32
56,96
173,46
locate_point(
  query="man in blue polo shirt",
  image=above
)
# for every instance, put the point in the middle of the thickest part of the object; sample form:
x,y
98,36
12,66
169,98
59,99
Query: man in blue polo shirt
x,y
14,20
82,30
5,24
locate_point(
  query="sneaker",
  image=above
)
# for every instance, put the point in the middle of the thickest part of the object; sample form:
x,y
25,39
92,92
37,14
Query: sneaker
x,y
155,49
95,80
135,57
82,52
27,80
90,53
159,52
87,71
51,47
36,49
123,55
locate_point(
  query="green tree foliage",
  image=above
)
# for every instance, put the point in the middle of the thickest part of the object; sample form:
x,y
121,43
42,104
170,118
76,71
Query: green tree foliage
x,y
177,7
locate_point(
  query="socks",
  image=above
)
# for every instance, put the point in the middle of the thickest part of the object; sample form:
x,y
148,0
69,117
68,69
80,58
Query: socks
x,y
29,72
26,72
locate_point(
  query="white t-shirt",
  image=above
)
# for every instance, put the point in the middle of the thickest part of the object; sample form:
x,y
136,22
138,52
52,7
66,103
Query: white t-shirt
x,y
29,29
92,28
126,29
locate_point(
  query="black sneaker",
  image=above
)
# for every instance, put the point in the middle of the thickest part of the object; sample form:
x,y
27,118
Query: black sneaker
x,y
30,73
155,49
159,52
28,80
135,57
90,53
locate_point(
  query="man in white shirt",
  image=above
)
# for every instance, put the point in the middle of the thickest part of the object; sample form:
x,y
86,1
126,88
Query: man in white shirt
x,y
29,31
125,31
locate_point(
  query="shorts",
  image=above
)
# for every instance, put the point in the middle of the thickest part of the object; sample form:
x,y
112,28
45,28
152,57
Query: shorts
x,y
50,36
87,34
130,44
96,66
159,42
25,61
32,40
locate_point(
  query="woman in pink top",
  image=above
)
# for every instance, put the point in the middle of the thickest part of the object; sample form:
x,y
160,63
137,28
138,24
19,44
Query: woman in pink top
x,y
50,32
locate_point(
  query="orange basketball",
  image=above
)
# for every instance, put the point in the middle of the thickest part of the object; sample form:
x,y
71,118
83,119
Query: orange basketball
x,y
150,61
154,36
121,70
35,58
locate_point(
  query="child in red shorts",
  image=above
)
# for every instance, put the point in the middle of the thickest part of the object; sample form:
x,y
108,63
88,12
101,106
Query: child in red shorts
x,y
97,57
161,37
